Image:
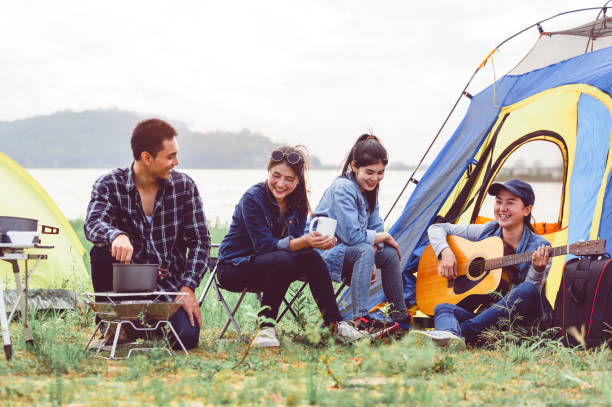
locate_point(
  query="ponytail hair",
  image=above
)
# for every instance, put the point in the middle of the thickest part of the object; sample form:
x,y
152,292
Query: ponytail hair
x,y
367,150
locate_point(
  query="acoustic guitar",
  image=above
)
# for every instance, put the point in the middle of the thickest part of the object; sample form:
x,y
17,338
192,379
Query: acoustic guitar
x,y
479,269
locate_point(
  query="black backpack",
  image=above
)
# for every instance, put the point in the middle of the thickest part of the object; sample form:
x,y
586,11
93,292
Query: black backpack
x,y
584,302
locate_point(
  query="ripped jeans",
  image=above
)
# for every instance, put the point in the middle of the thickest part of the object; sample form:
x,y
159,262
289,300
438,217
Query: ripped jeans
x,y
358,265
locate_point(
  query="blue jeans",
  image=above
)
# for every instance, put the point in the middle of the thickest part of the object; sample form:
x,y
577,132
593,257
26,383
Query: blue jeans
x,y
358,265
523,301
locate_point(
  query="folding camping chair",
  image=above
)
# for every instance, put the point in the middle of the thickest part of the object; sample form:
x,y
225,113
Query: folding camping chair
x,y
213,281
289,305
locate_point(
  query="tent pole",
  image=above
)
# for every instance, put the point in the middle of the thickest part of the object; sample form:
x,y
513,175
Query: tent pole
x,y
464,92
412,179
590,40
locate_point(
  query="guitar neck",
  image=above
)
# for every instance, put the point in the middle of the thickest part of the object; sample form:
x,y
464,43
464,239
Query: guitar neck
x,y
511,260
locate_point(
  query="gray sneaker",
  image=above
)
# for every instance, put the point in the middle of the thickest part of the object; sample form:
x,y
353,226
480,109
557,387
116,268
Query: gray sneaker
x,y
347,330
439,338
266,338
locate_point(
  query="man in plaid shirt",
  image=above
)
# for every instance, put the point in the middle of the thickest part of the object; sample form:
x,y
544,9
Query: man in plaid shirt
x,y
149,213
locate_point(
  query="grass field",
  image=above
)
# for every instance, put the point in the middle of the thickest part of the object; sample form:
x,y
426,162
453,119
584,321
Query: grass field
x,y
309,369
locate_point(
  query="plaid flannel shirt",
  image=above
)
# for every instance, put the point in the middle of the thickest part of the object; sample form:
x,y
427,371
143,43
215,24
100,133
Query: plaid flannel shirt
x,y
178,224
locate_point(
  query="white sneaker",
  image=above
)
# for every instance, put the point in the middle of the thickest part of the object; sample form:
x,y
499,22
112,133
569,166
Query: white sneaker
x,y
347,330
440,338
266,338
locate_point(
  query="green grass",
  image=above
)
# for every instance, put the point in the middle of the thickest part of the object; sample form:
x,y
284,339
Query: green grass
x,y
309,369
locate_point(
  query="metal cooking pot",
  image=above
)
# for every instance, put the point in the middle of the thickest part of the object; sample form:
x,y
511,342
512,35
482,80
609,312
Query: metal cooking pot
x,y
15,224
11,223
133,278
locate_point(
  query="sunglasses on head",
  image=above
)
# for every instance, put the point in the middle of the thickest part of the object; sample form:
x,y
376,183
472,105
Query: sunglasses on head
x,y
292,157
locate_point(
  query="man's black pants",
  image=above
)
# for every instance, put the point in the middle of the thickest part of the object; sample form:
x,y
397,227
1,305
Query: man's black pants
x,y
273,273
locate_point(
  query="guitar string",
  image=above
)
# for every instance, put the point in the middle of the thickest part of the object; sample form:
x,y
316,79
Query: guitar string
x,y
519,258
512,259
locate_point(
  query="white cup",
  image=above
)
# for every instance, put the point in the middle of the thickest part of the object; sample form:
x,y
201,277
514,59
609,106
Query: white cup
x,y
324,225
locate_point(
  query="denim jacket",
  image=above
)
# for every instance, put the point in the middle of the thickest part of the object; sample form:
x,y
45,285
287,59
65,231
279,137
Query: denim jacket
x,y
344,202
257,227
529,242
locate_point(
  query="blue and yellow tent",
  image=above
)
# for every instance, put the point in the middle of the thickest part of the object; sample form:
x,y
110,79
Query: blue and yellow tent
x,y
559,93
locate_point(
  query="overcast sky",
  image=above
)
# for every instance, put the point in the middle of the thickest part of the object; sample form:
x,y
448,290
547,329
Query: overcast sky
x,y
313,72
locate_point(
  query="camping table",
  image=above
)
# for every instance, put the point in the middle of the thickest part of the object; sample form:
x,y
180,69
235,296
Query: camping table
x,y
12,253
118,312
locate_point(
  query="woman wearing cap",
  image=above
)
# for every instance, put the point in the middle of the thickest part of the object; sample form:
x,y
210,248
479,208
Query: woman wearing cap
x,y
265,247
513,204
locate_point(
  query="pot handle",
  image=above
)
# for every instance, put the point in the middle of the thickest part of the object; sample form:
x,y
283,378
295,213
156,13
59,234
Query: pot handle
x,y
49,230
162,272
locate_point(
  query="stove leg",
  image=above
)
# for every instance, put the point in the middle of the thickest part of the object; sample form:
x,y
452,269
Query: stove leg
x,y
102,342
8,351
6,337
177,337
116,340
22,302
92,336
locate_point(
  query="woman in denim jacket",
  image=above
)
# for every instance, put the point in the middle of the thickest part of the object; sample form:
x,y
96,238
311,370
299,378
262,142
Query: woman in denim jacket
x,y
352,199
265,247
524,303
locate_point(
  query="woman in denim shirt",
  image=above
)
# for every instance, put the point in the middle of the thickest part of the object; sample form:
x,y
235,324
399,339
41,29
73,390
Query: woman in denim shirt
x,y
265,247
352,199
525,302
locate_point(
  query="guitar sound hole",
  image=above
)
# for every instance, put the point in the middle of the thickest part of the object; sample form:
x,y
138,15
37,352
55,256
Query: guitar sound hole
x,y
476,268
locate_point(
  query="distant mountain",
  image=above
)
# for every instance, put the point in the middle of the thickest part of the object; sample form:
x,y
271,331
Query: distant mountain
x,y
101,139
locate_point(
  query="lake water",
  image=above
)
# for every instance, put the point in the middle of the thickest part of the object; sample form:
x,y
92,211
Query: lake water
x,y
221,190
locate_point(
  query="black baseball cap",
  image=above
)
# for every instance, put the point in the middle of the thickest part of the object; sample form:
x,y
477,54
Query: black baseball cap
x,y
519,188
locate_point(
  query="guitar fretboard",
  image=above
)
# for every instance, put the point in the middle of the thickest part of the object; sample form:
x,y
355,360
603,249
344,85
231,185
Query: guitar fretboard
x,y
511,260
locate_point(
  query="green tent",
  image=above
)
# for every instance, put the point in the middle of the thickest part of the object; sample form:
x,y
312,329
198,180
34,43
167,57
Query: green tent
x,y
64,272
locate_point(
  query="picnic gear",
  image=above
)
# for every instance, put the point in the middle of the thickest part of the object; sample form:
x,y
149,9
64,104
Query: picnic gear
x,y
146,315
558,93
13,253
26,206
296,295
136,277
323,224
22,238
106,340
583,308
17,223
214,283
22,229
481,269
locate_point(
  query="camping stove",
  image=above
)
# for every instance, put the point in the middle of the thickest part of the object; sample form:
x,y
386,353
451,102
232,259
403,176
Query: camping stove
x,y
138,312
